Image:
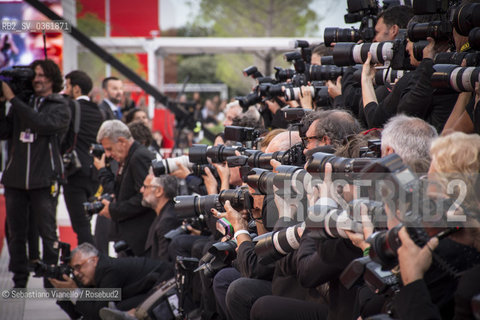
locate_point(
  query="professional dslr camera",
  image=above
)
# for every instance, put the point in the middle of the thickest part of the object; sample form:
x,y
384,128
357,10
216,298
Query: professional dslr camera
x,y
364,11
55,271
96,205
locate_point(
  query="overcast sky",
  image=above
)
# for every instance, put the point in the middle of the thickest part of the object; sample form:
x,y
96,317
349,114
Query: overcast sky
x,y
175,13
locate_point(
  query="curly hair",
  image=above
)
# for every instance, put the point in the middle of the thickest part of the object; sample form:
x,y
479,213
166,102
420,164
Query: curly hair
x,y
51,72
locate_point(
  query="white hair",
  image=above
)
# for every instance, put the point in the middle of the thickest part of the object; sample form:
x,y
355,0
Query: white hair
x,y
410,138
113,129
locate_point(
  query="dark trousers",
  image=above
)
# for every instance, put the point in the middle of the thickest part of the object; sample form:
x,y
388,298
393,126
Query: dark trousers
x,y
221,282
273,308
242,294
76,192
43,209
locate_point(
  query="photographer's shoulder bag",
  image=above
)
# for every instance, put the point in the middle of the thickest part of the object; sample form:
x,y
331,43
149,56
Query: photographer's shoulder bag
x,y
71,161
161,304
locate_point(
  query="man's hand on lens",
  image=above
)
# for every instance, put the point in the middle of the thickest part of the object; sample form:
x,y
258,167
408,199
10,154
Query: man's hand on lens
x,y
429,50
182,172
358,239
106,209
306,98
224,173
368,70
99,163
211,183
67,284
237,220
335,89
413,260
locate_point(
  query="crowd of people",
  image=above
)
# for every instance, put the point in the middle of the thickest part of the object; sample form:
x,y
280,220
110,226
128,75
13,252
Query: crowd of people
x,y
342,200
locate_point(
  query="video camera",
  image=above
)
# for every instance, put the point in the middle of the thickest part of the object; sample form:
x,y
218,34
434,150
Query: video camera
x,y
19,79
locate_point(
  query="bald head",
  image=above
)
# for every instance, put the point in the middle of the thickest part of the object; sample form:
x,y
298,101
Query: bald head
x,y
283,141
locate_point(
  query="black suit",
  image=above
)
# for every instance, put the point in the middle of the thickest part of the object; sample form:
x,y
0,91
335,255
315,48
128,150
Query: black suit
x,y
106,110
134,276
156,246
132,219
82,184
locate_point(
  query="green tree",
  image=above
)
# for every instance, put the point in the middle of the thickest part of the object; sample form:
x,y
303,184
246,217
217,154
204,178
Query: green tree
x,y
255,18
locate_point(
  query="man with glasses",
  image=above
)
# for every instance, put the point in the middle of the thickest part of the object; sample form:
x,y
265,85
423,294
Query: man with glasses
x,y
158,194
134,276
328,127
131,220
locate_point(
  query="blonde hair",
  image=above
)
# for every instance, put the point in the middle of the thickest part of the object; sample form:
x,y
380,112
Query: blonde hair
x,y
457,156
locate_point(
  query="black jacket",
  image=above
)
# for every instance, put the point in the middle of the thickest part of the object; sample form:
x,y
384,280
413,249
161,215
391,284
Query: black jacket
x,y
37,164
335,256
132,219
134,276
415,96
90,121
156,246
106,110
414,299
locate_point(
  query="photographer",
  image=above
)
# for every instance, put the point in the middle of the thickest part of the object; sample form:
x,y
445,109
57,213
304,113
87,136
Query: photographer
x,y
414,298
158,194
82,184
134,276
257,279
328,127
34,171
410,138
131,221
413,94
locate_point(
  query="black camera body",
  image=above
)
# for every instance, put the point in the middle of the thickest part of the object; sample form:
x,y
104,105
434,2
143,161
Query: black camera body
x,y
96,206
19,79
56,271
364,270
219,256
97,150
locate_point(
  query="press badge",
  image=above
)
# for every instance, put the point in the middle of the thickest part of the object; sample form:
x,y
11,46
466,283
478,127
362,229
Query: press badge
x,y
26,136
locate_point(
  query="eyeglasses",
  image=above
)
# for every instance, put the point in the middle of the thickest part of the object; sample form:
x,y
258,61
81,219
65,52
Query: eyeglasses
x,y
307,139
149,186
79,266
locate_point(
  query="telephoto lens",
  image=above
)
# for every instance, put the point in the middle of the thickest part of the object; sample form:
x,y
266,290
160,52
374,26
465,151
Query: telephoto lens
x,y
349,54
438,30
348,168
293,178
167,166
466,17
474,38
461,79
187,207
328,223
261,180
200,153
335,35
323,73
274,245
